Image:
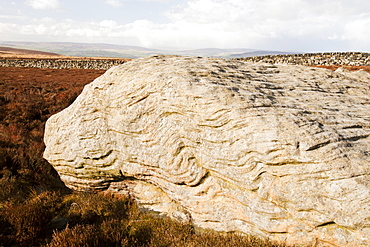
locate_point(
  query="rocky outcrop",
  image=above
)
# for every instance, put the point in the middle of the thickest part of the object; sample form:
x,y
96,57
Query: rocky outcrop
x,y
276,151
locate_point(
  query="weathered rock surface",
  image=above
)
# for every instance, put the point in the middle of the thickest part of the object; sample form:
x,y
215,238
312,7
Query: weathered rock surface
x,y
275,151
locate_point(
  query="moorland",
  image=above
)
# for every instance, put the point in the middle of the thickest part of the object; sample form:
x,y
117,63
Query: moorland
x,y
36,209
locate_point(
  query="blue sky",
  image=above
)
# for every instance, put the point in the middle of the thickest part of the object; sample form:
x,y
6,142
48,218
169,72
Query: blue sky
x,y
285,25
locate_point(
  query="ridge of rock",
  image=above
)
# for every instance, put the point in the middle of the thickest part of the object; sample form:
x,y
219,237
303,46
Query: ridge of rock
x,y
277,151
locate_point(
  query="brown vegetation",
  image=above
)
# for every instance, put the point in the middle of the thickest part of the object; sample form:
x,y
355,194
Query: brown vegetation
x,y
28,97
86,219
351,68
36,209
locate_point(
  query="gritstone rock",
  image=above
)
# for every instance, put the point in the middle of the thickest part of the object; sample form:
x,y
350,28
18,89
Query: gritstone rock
x,y
275,151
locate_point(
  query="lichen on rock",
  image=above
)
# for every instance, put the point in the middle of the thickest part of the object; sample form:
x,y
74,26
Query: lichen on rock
x,y
277,151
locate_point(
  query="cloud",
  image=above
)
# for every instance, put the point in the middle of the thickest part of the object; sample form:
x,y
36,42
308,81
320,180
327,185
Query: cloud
x,y
283,24
119,3
14,17
357,32
159,1
287,25
44,4
114,3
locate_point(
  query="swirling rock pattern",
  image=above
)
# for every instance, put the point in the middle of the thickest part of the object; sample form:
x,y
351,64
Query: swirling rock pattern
x,y
277,151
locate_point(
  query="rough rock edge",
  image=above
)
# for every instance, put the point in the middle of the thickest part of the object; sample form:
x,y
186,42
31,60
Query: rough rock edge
x,y
319,151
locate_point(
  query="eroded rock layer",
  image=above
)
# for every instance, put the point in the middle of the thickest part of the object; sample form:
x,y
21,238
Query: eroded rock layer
x,y
275,151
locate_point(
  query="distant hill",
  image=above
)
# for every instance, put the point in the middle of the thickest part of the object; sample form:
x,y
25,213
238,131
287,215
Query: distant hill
x,y
123,51
85,49
259,53
9,52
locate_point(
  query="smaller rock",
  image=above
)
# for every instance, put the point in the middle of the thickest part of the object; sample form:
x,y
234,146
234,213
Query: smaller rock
x,y
342,70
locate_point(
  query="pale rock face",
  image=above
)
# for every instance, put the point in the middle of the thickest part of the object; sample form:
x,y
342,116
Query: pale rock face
x,y
275,151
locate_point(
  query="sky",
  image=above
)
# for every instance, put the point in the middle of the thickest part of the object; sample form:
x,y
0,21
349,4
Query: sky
x,y
279,25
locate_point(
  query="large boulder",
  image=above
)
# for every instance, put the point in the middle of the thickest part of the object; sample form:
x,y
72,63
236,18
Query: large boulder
x,y
276,151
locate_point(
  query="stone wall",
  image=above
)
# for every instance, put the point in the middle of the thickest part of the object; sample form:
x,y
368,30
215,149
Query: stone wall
x,y
62,64
328,59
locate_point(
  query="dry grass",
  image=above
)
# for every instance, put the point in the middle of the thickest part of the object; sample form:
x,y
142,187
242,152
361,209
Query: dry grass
x,y
99,220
